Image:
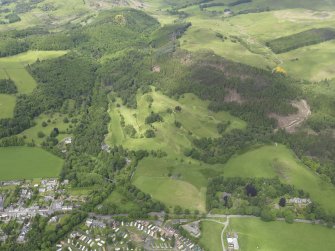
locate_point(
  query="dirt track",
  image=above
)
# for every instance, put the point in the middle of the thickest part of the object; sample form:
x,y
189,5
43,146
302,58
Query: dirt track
x,y
292,122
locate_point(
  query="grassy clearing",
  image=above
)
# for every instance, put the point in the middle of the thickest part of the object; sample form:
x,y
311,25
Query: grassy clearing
x,y
194,118
123,204
55,120
7,105
211,236
28,163
255,234
271,161
14,67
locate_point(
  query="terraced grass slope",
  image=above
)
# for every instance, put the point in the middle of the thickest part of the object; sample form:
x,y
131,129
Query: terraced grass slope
x,y
255,234
277,160
28,163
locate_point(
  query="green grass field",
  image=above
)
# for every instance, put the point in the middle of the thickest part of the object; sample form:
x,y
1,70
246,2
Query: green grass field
x,y
247,34
123,204
194,117
255,234
28,163
210,238
172,182
56,121
7,105
14,67
175,181
271,161
187,185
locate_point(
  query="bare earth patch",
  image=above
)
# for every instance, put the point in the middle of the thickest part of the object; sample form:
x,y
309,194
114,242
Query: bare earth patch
x,y
292,122
233,96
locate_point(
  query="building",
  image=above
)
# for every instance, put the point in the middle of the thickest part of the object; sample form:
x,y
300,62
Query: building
x,y
1,203
232,240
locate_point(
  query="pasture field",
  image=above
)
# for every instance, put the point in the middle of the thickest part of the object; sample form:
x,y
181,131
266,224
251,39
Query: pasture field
x,y
271,161
314,62
7,105
194,117
302,39
176,181
28,163
255,234
167,180
245,38
55,120
122,203
14,67
210,238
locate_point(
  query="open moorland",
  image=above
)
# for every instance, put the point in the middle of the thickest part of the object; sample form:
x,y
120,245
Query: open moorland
x,y
28,163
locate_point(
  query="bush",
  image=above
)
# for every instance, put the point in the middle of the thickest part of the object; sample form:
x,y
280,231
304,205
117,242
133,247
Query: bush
x,y
150,133
40,134
153,117
267,215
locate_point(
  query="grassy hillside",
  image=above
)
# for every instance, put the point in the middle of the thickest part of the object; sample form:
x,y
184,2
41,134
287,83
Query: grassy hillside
x,y
173,179
305,38
195,119
28,163
7,104
14,68
271,161
255,234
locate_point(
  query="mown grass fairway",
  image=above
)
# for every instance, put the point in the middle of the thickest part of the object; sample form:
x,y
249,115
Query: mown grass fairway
x,y
271,161
194,117
211,235
255,234
7,105
14,67
28,163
